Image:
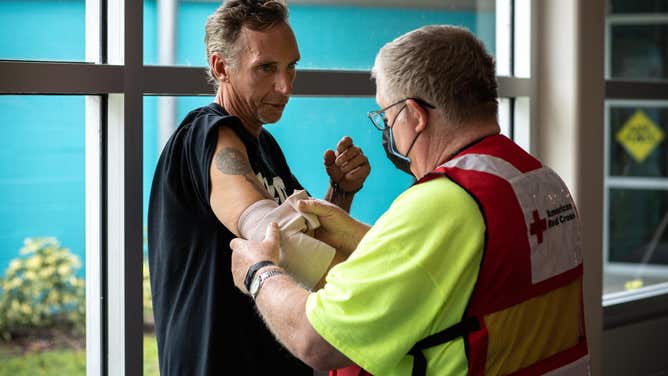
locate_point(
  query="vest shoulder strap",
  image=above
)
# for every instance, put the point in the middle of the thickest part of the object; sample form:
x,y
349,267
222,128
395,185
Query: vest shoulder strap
x,y
460,329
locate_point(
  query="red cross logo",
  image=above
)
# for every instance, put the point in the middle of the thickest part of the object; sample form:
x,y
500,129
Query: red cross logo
x,y
538,226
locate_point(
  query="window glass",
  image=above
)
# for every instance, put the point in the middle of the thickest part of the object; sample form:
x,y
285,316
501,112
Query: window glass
x,y
645,6
639,51
329,36
646,242
42,29
637,240
42,235
636,160
637,141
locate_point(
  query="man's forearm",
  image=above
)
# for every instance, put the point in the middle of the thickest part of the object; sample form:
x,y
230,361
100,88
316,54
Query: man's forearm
x,y
340,198
282,304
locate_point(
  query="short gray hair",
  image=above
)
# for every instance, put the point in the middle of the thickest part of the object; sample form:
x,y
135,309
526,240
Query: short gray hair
x,y
223,27
446,66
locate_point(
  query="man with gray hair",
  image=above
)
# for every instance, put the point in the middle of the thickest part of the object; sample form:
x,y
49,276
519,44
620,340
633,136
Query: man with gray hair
x,y
221,175
475,269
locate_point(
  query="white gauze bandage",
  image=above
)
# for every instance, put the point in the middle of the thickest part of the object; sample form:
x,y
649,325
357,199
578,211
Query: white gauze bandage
x,y
304,257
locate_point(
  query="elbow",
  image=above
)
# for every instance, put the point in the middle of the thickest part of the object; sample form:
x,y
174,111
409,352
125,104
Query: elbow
x,y
319,354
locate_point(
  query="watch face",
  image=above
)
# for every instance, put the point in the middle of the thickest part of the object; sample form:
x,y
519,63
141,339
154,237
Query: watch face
x,y
254,285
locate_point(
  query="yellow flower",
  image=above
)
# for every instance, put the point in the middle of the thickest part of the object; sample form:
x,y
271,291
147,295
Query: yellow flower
x,y
47,272
30,275
33,262
15,264
54,296
11,284
63,270
25,308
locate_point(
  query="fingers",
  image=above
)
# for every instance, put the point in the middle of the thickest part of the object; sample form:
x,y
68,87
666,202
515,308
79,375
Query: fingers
x,y
236,244
359,172
358,161
272,235
348,162
344,144
316,207
272,239
329,157
348,155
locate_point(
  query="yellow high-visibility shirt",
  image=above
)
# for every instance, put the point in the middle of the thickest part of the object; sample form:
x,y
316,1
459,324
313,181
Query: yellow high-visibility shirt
x,y
411,276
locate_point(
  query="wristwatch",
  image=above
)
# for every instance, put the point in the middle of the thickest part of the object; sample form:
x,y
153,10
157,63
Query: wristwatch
x,y
259,279
250,273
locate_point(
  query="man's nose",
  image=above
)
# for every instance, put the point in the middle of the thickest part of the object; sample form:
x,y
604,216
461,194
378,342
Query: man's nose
x,y
283,83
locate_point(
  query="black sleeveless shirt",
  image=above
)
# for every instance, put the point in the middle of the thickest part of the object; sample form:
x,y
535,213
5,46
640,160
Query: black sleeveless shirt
x,y
204,325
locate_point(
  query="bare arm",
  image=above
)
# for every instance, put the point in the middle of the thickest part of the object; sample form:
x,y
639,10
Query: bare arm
x,y
282,304
339,198
234,186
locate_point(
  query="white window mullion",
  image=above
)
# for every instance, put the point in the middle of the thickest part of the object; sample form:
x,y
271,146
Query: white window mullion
x,y
606,188
115,357
116,237
93,201
124,191
523,38
503,37
124,242
115,32
93,31
93,178
522,123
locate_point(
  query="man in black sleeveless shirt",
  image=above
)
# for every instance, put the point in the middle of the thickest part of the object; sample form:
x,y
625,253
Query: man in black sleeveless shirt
x,y
217,163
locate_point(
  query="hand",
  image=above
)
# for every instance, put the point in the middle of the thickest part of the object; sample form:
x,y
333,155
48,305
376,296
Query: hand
x,y
347,166
245,253
337,228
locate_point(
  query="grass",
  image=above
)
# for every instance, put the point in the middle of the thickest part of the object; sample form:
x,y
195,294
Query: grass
x,y
58,362
54,362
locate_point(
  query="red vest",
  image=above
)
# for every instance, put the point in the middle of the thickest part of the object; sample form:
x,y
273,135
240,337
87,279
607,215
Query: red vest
x,y
525,315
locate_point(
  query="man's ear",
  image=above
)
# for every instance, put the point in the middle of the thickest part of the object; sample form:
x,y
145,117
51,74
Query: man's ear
x,y
219,67
419,115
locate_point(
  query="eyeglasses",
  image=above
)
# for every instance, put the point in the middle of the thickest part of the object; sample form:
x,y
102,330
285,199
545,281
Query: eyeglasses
x,y
378,118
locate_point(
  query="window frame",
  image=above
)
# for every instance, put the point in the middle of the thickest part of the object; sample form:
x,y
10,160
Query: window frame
x,y
627,307
115,80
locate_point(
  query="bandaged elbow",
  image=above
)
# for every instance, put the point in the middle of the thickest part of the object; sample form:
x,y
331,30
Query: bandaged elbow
x,y
305,258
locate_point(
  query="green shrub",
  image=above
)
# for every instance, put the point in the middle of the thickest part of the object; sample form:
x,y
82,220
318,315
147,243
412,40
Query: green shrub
x,y
41,291
148,304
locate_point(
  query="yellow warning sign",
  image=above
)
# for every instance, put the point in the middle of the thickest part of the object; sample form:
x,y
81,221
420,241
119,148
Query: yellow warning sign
x,y
639,136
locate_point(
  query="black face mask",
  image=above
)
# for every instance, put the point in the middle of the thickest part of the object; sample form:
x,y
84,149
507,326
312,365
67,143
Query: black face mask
x,y
402,162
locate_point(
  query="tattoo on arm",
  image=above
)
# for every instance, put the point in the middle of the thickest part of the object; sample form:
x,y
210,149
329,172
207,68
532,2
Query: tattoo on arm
x,y
231,161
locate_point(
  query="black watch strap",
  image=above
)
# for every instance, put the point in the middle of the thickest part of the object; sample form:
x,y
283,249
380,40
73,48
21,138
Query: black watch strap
x,y
252,270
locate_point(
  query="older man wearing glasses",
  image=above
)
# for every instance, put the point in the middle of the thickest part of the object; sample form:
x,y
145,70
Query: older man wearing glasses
x,y
475,269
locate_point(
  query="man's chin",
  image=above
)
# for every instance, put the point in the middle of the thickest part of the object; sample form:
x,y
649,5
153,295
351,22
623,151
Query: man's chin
x,y
269,117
